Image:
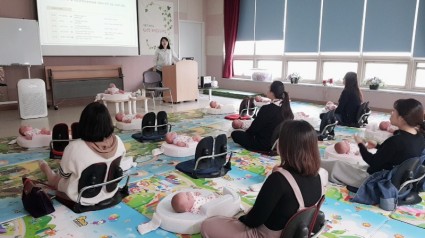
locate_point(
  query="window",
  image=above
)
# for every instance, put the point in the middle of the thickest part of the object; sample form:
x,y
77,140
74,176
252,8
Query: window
x,y
269,47
337,70
275,67
244,48
306,69
393,74
420,75
242,67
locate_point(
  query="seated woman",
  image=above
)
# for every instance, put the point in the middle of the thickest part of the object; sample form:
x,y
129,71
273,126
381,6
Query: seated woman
x,y
407,142
258,136
348,103
276,202
98,144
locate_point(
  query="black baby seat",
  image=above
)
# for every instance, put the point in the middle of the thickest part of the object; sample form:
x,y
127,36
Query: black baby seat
x,y
150,130
210,159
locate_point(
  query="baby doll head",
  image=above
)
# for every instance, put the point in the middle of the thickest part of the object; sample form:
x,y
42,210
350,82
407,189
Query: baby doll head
x,y
237,124
138,116
330,106
23,130
112,85
182,202
258,98
384,125
213,104
169,137
119,116
45,131
197,138
342,147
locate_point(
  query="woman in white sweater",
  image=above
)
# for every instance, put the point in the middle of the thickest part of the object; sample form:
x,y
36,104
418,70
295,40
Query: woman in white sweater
x,y
164,55
98,144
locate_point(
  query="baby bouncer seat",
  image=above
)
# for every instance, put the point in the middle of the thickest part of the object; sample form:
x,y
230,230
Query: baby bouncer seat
x,y
151,131
61,138
210,160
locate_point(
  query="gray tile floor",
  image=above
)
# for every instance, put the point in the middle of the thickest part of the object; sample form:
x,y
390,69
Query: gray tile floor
x,y
10,120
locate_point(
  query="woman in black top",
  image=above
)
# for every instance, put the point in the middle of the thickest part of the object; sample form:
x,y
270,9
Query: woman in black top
x,y
407,142
348,103
258,136
276,202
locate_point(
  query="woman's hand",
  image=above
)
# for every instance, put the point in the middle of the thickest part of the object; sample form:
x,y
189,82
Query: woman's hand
x,y
371,144
154,69
358,139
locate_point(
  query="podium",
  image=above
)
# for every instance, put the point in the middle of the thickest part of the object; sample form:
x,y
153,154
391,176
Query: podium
x,y
182,79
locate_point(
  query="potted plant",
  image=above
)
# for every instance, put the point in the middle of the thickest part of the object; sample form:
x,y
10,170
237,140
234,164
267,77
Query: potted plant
x,y
374,83
294,78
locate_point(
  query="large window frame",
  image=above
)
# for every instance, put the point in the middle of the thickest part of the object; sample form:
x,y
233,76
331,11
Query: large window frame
x,y
361,58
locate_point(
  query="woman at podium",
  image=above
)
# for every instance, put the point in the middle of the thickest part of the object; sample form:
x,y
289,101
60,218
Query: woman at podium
x,y
164,55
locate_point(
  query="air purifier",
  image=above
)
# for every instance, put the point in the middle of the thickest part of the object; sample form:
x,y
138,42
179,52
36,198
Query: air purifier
x,y
32,98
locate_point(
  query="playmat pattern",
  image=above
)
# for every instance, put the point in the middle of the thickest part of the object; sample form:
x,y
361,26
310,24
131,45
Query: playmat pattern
x,y
156,178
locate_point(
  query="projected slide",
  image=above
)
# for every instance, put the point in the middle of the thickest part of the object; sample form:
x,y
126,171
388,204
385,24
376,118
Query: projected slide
x,y
88,27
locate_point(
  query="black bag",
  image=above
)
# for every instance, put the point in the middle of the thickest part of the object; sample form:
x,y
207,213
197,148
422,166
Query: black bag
x,y
35,200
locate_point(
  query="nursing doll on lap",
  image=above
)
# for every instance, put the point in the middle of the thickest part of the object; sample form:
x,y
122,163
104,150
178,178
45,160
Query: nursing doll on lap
x,y
241,124
386,126
181,140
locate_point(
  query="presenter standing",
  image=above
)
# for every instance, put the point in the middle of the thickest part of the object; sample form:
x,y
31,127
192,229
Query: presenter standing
x,y
164,56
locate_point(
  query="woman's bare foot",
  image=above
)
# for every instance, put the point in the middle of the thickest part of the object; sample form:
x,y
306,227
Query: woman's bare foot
x,y
52,177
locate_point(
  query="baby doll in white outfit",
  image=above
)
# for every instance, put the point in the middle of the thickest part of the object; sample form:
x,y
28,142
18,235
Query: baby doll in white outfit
x,y
241,124
190,201
181,140
386,126
28,132
127,118
113,89
216,105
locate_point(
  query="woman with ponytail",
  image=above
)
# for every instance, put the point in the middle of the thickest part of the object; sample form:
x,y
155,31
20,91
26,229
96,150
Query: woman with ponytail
x,y
258,136
407,142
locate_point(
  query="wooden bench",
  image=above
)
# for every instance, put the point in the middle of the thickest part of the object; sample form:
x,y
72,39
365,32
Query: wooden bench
x,y
71,82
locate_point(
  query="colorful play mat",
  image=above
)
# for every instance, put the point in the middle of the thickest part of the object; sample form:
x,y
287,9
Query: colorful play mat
x,y
156,177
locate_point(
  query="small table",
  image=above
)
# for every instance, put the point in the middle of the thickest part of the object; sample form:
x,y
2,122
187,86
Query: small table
x,y
119,103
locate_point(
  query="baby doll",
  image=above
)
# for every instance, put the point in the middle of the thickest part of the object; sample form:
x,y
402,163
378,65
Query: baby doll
x,y
127,118
241,124
28,132
386,126
258,98
190,201
330,106
113,89
342,147
181,140
216,105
